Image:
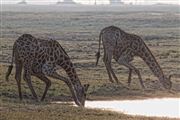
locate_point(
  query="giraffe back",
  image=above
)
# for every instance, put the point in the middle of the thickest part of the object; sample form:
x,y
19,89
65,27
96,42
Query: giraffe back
x,y
41,52
25,47
119,42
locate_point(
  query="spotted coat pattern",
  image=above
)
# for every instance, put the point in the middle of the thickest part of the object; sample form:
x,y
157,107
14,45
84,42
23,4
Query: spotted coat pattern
x,y
41,58
123,46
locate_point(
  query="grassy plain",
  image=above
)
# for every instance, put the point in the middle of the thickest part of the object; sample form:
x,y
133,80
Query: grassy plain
x,y
78,33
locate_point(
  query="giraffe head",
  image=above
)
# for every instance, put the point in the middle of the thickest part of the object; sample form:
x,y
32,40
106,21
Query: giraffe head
x,y
166,82
81,94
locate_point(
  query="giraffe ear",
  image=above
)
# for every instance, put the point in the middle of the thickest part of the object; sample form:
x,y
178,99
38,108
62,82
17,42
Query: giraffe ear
x,y
86,86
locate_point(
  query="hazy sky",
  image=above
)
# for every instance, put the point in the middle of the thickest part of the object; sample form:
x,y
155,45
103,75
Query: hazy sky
x,y
92,1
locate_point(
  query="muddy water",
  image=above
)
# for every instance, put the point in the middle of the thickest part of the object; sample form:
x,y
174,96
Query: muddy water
x,y
166,107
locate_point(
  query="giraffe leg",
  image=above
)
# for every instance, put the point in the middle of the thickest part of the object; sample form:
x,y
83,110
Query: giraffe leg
x,y
137,72
140,78
125,60
47,81
18,76
129,77
105,60
27,78
113,74
69,84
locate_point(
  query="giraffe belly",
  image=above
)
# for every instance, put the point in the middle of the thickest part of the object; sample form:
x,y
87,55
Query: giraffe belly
x,y
48,69
125,58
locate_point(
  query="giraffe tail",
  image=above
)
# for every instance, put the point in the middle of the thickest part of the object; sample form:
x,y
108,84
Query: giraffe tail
x,y
10,67
98,53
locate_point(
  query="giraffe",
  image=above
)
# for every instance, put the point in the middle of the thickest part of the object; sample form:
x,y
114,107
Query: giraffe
x,y
122,47
42,58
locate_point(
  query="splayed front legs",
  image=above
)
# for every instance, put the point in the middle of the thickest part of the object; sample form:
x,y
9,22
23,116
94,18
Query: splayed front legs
x,y
69,84
46,81
124,61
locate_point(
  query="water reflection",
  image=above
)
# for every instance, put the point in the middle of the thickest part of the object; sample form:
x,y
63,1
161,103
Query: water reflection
x,y
166,107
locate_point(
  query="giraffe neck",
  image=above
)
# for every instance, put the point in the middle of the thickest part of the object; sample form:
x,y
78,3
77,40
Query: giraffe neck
x,y
71,72
150,60
75,87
